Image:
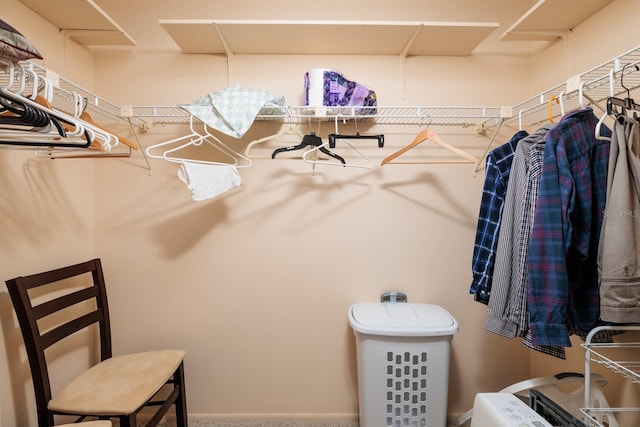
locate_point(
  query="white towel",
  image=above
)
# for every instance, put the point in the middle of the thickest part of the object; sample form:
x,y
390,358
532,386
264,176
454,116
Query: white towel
x,y
232,111
207,181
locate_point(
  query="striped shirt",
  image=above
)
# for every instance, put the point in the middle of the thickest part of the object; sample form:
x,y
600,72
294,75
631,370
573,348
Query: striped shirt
x,y
507,261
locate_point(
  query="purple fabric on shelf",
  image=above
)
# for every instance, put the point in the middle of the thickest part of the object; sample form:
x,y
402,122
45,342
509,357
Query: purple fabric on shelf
x,y
339,91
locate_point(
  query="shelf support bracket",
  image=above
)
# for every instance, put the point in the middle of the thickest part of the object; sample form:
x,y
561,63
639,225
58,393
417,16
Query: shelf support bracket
x,y
403,56
227,50
563,35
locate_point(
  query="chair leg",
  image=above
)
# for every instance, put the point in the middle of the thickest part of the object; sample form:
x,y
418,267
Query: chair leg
x,y
181,401
46,420
127,420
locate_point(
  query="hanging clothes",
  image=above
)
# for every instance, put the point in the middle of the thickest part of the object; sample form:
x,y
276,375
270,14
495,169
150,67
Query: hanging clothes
x,y
563,291
502,318
618,259
507,310
498,166
536,161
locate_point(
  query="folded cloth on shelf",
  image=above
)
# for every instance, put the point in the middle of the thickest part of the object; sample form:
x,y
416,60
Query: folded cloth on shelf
x,y
232,111
330,88
207,181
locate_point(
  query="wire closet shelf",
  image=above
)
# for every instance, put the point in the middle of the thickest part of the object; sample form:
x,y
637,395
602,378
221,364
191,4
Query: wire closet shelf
x,y
608,356
591,88
615,77
66,95
387,115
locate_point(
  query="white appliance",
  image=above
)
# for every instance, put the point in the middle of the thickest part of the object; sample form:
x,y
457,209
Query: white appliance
x,y
504,410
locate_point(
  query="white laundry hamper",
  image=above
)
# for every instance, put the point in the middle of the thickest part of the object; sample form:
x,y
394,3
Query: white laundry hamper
x,y
403,352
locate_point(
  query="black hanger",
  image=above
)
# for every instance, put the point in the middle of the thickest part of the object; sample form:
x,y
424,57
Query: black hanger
x,y
20,114
334,136
625,104
28,118
50,143
311,140
23,114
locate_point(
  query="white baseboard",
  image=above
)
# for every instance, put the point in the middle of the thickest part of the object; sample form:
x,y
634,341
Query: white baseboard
x,y
280,420
269,420
452,419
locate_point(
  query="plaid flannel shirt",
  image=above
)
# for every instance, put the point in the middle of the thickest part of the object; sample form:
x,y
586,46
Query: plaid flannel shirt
x,y
563,293
498,166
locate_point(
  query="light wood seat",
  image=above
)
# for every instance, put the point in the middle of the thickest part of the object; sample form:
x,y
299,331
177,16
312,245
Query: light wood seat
x,y
116,387
149,371
88,424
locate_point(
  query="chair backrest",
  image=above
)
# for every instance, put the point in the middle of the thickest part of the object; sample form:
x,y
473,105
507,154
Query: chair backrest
x,y
73,297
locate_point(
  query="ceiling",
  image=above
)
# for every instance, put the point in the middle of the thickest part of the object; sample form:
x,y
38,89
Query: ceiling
x,y
510,27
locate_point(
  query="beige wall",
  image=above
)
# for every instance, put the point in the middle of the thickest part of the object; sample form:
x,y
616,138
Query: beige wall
x,y
47,219
256,285
263,277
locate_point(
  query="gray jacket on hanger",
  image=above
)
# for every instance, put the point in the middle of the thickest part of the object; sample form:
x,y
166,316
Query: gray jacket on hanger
x,y
618,251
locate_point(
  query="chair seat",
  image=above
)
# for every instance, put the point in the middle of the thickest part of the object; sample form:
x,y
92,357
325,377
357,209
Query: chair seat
x,y
119,385
88,424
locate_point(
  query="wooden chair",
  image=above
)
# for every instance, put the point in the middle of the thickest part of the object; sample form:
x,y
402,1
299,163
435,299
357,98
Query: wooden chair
x,y
115,388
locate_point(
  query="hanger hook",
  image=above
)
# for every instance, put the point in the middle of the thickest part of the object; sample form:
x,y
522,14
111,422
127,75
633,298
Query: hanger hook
x,y
426,116
310,124
337,118
622,78
289,115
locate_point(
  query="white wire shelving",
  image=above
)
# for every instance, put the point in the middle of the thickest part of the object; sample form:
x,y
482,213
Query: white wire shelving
x,y
608,355
591,88
387,115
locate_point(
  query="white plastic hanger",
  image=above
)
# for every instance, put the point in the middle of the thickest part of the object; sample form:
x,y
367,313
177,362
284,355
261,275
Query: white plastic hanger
x,y
103,141
605,114
289,129
113,138
10,70
195,138
366,164
228,150
315,160
598,131
106,144
71,136
77,135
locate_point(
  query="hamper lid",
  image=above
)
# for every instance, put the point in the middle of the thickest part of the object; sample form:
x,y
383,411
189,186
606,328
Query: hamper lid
x,y
402,319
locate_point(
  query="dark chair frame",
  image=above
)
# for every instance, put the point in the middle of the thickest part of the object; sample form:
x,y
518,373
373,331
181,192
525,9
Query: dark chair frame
x,y
36,342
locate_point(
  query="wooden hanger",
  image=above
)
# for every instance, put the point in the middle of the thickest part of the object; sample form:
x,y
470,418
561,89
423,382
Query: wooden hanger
x,y
85,116
430,135
68,127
